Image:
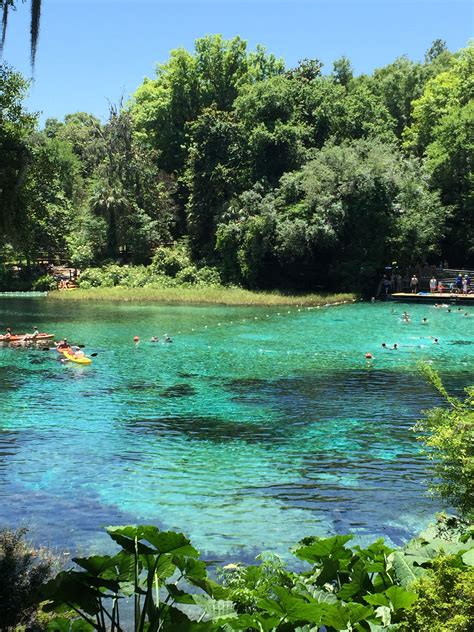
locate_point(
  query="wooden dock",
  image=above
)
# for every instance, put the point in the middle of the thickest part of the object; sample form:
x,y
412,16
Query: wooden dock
x,y
436,297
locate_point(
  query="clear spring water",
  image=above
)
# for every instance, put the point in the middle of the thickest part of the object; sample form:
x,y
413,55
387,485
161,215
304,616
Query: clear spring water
x,y
254,428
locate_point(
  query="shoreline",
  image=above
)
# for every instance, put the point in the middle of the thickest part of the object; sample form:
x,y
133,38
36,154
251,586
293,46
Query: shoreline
x,y
203,296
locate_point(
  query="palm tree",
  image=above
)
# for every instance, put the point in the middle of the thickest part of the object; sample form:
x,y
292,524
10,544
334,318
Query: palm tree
x,y
5,6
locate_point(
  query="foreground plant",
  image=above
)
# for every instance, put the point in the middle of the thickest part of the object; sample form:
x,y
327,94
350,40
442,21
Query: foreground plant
x,y
23,569
158,581
449,435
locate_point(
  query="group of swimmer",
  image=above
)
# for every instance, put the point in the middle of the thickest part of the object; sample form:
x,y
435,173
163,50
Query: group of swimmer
x,y
424,321
154,339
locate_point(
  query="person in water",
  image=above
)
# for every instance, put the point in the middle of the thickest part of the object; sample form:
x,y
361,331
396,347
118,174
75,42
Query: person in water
x,y
384,345
166,338
424,321
395,347
406,317
154,339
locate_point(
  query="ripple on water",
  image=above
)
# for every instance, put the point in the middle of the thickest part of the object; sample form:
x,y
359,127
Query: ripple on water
x,y
246,435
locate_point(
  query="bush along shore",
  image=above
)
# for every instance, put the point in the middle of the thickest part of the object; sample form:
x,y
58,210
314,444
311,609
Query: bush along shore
x,y
157,581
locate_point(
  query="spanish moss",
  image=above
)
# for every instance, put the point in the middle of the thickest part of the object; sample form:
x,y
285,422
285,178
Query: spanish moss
x,y
35,23
6,6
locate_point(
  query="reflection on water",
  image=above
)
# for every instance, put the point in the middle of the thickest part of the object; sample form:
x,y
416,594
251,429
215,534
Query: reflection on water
x,y
249,432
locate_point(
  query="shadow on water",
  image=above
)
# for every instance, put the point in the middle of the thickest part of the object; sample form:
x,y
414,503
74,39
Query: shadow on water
x,y
200,428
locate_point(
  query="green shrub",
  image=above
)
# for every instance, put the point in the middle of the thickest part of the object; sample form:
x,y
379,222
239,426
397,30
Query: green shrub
x,y
208,276
23,569
188,275
445,599
449,435
170,261
44,283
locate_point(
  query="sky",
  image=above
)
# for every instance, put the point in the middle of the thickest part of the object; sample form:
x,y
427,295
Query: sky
x,y
93,52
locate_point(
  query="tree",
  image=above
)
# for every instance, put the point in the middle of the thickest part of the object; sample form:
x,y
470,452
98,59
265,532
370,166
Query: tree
x,y
442,132
212,76
216,170
342,71
130,193
15,127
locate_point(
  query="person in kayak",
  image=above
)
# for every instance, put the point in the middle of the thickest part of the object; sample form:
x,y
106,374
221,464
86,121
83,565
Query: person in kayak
x,y
8,333
62,344
32,336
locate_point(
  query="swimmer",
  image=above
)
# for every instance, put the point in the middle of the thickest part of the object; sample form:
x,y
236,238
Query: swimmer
x,y
384,345
424,321
466,314
369,356
395,346
154,339
166,338
136,340
406,317
436,341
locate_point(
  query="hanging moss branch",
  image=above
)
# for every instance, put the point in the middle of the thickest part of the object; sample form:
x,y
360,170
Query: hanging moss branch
x,y
34,29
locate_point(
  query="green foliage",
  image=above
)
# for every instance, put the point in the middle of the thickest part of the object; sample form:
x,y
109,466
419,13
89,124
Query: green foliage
x,y
23,570
15,126
445,598
279,178
449,435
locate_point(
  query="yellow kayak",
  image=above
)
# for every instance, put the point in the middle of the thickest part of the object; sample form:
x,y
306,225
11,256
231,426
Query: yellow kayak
x,y
83,360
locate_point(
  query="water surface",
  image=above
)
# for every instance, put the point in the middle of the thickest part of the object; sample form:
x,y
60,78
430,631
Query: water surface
x,y
254,428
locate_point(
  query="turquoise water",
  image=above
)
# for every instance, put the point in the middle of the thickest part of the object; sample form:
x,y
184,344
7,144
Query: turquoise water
x,y
254,428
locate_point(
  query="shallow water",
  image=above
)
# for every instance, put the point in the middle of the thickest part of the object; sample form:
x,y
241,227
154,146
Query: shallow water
x,y
254,428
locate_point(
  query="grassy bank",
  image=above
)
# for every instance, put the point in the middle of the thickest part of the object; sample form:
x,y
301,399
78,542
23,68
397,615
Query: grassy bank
x,y
209,295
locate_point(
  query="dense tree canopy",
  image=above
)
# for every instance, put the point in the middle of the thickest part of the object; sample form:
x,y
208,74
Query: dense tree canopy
x,y
275,177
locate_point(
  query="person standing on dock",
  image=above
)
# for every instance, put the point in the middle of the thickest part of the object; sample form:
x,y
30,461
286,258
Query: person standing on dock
x,y
433,284
414,284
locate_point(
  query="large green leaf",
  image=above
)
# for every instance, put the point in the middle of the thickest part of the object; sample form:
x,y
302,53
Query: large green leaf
x,y
60,624
395,598
215,609
403,567
128,538
341,616
69,588
96,564
400,598
291,607
384,614
259,621
161,541
360,582
468,557
190,567
324,547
